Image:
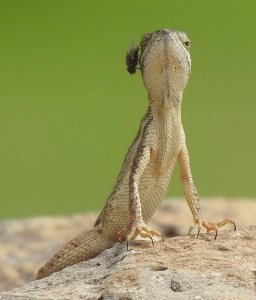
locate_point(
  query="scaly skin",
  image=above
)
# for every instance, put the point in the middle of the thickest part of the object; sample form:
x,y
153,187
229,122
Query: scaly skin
x,y
143,180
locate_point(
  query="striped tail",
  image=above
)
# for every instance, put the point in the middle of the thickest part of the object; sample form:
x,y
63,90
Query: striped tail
x,y
83,247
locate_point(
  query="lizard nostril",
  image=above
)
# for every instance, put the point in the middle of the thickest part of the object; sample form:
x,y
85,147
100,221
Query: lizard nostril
x,y
165,31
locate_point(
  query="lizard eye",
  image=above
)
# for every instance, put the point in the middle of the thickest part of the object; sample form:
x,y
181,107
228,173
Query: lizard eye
x,y
187,44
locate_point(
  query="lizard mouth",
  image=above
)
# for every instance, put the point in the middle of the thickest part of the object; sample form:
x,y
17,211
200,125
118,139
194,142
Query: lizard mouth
x,y
166,46
163,49
164,61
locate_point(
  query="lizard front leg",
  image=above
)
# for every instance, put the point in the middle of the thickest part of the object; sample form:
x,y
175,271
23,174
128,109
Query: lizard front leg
x,y
193,199
136,224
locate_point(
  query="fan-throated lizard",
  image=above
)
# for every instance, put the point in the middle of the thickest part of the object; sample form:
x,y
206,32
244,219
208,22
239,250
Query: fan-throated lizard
x,y
165,65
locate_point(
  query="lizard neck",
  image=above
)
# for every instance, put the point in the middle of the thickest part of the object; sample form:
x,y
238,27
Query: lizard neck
x,y
166,112
166,106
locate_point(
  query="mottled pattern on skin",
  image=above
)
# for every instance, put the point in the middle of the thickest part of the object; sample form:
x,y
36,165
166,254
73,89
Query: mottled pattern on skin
x,y
146,171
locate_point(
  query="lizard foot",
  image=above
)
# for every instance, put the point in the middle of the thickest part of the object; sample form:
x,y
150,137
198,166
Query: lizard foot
x,y
141,229
201,222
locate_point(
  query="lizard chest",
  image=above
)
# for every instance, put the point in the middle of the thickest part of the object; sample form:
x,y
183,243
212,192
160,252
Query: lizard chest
x,y
165,150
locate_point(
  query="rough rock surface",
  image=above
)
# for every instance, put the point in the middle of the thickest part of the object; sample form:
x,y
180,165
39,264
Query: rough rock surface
x,y
26,244
181,268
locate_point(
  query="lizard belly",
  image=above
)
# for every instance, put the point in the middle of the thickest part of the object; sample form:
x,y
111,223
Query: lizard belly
x,y
152,189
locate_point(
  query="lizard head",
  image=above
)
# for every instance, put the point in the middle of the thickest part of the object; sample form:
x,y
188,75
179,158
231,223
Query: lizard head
x,y
165,61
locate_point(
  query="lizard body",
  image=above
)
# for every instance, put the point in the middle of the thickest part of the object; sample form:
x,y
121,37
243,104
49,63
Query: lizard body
x,y
145,174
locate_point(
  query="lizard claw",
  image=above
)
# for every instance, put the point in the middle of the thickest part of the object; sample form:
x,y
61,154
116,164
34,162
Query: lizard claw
x,y
141,229
201,222
151,237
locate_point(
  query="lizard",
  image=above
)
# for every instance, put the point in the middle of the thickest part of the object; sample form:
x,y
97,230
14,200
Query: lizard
x,y
165,64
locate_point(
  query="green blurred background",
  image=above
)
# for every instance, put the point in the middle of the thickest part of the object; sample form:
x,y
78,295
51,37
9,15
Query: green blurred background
x,y
69,110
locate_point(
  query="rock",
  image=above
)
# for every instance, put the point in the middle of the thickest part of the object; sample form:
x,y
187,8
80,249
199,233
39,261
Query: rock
x,y
27,244
179,268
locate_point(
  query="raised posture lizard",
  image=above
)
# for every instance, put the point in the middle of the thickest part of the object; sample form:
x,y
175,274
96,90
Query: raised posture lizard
x,y
165,66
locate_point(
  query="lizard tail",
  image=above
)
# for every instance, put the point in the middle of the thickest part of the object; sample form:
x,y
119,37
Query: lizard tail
x,y
84,246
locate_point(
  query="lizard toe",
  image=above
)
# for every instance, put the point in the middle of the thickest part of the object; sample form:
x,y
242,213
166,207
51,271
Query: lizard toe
x,y
141,230
210,226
